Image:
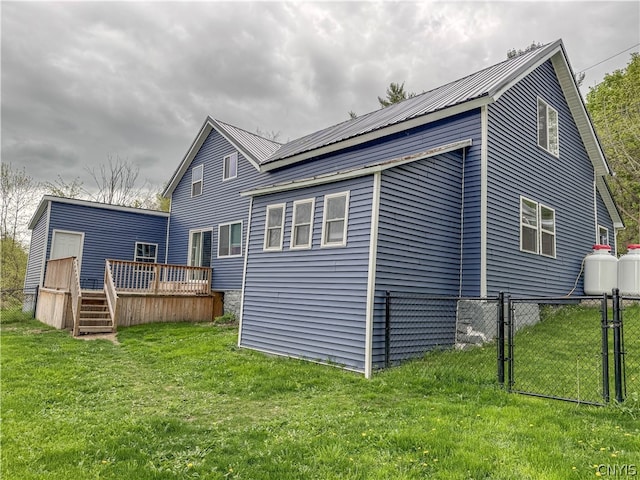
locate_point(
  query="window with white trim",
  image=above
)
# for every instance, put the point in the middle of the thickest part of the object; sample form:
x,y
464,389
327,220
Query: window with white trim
x,y
200,243
230,239
274,227
603,235
146,252
537,228
197,174
230,166
335,219
302,223
548,127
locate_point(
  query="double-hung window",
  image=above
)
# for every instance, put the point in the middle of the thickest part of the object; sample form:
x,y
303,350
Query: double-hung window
x,y
197,174
274,227
146,252
548,127
230,166
603,235
302,228
537,228
230,239
335,219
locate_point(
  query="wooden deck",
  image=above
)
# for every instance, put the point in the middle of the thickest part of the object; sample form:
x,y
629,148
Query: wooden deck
x,y
134,293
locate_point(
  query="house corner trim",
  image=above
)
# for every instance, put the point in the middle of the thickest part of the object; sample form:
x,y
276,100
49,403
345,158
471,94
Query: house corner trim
x,y
371,279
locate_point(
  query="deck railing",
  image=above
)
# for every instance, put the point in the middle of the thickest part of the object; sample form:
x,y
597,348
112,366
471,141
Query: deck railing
x,y
158,279
110,292
76,295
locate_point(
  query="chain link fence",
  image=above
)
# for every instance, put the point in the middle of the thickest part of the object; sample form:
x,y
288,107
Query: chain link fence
x,y
580,349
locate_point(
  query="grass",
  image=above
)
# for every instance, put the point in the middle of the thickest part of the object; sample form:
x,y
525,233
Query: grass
x,y
179,401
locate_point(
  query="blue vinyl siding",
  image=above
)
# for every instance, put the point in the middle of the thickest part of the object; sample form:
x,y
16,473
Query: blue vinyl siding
x,y
220,203
310,303
107,234
419,241
517,166
36,254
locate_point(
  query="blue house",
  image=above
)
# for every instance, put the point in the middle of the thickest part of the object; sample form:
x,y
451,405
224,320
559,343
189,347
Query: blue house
x,y
491,183
92,232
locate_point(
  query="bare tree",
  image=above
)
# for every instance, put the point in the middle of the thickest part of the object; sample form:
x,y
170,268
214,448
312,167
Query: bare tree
x,y
61,188
272,135
117,183
19,197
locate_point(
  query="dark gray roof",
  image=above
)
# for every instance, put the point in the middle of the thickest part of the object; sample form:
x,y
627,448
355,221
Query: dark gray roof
x,y
484,83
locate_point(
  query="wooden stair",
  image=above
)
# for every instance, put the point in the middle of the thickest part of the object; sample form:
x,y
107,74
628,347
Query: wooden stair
x,y
94,313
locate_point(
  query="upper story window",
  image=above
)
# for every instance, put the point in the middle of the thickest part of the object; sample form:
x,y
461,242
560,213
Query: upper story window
x,y
230,166
548,127
146,252
197,174
274,227
302,228
334,220
537,228
230,239
603,235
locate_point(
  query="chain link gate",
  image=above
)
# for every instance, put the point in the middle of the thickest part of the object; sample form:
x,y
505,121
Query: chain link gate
x,y
563,348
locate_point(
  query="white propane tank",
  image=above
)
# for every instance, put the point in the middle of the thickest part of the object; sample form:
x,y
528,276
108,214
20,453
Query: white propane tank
x,y
629,271
600,271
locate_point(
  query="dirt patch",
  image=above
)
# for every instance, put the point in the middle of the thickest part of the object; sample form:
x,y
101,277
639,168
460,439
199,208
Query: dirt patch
x,y
112,337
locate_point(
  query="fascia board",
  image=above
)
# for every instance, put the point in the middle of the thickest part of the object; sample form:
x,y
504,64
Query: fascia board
x,y
356,172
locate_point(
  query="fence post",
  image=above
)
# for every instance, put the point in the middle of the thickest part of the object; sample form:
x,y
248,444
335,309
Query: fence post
x,y
387,327
605,347
510,324
501,338
617,344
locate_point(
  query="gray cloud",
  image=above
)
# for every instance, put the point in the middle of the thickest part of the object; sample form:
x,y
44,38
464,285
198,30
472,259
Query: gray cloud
x,y
81,81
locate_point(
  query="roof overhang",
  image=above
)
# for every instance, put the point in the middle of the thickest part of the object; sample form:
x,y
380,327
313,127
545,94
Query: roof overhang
x,y
46,199
607,198
356,172
208,125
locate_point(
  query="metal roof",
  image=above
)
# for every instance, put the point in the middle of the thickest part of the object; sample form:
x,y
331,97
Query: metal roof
x,y
258,147
484,83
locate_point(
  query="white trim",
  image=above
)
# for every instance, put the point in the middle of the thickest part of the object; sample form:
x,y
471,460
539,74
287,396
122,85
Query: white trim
x,y
231,156
220,225
43,265
542,230
484,168
461,276
537,229
382,132
371,275
201,181
69,232
311,200
46,199
326,178
244,271
265,246
135,251
595,207
199,230
166,242
600,227
345,219
548,107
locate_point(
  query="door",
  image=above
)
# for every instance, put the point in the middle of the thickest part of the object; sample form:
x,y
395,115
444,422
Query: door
x,y
67,244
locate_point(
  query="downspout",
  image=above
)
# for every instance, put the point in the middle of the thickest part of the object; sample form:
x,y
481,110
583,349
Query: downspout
x,y
464,156
371,278
595,209
244,271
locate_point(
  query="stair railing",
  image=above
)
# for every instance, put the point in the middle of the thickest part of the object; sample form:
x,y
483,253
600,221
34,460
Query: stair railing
x,y
76,295
110,292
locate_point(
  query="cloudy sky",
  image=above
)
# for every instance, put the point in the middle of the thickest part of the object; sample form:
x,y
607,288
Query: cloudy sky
x,y
85,80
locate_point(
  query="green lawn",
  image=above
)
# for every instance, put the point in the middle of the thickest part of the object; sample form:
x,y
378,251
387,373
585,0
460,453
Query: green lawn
x,y
183,401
